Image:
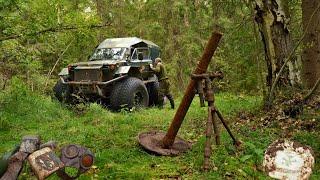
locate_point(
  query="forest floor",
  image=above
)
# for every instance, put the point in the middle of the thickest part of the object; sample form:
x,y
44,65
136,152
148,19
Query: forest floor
x,y
113,136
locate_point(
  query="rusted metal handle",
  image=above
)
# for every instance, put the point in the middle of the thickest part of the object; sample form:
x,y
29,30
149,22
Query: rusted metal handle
x,y
203,64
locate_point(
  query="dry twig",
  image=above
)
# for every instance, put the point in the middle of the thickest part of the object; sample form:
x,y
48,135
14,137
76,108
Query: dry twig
x,y
56,63
309,95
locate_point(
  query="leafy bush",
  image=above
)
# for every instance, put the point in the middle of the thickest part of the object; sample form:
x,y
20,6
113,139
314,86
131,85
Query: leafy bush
x,y
20,103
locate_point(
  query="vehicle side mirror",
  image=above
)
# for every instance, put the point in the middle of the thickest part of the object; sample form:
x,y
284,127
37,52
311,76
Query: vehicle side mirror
x,y
140,56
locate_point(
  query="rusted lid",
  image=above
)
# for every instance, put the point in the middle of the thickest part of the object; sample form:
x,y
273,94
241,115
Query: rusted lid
x,y
152,142
286,159
71,151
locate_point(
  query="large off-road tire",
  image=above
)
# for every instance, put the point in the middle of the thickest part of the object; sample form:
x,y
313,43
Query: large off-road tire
x,y
129,93
153,90
62,92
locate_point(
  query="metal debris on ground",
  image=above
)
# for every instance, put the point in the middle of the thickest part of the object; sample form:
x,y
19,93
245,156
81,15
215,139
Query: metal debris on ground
x,y
43,160
75,156
289,160
29,145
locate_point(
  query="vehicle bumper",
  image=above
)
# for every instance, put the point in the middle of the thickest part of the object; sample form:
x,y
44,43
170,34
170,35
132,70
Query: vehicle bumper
x,y
92,82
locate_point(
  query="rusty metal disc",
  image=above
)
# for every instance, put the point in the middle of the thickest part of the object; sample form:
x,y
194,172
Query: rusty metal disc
x,y
152,142
71,151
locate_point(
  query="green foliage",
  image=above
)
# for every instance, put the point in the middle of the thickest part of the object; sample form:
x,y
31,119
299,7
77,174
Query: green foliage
x,y
253,152
20,104
4,124
181,29
71,171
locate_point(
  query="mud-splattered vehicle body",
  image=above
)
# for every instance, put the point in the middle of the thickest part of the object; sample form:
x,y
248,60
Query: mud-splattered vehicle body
x,y
117,74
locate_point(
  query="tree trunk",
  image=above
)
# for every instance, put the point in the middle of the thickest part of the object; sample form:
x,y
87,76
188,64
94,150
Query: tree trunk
x,y
272,18
311,42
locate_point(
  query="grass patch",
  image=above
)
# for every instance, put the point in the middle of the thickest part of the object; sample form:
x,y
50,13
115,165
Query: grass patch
x,y
113,137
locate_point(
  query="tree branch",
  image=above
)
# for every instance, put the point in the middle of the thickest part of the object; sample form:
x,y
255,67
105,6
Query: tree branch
x,y
54,29
309,95
56,63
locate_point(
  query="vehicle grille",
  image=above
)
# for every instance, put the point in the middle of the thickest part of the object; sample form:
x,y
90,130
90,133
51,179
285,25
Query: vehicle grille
x,y
87,75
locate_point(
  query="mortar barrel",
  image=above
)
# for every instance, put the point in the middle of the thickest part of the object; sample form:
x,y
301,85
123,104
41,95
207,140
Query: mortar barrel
x,y
189,94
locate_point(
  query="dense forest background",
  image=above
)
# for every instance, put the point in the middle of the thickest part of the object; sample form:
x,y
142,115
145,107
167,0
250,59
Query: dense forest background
x,y
40,37
270,50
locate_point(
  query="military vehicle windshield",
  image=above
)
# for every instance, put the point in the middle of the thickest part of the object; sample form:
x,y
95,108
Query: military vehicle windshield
x,y
108,54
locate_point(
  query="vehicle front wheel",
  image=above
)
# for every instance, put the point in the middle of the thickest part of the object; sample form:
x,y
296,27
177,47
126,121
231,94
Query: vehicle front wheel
x,y
62,92
130,93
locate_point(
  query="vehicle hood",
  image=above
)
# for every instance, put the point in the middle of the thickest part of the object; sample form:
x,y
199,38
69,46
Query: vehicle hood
x,y
95,63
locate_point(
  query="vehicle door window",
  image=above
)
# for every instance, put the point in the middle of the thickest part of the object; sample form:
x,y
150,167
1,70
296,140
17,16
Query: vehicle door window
x,y
144,51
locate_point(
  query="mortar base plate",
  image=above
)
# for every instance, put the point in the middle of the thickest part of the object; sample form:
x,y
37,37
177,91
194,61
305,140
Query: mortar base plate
x,y
152,142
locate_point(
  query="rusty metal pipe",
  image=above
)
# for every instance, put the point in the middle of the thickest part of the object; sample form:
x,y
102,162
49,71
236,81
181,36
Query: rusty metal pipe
x,y
189,94
235,141
207,148
215,127
201,93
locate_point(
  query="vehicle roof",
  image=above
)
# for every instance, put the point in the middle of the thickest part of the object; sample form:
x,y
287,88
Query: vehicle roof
x,y
124,42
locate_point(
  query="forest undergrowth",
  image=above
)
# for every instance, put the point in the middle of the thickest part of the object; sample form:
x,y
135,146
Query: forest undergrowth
x,y
113,136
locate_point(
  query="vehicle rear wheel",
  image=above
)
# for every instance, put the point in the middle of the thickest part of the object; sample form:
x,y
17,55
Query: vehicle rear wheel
x,y
130,93
62,92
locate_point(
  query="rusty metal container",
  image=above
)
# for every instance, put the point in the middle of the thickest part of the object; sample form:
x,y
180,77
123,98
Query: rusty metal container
x,y
44,162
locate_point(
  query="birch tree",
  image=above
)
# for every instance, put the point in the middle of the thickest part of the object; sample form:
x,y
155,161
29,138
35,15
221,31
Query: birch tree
x,y
272,17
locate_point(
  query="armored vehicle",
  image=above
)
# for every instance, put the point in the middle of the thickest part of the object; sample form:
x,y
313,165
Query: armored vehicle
x,y
117,74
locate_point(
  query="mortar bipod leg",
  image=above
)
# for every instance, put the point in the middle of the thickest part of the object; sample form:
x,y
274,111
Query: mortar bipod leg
x,y
207,148
215,126
200,92
235,141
